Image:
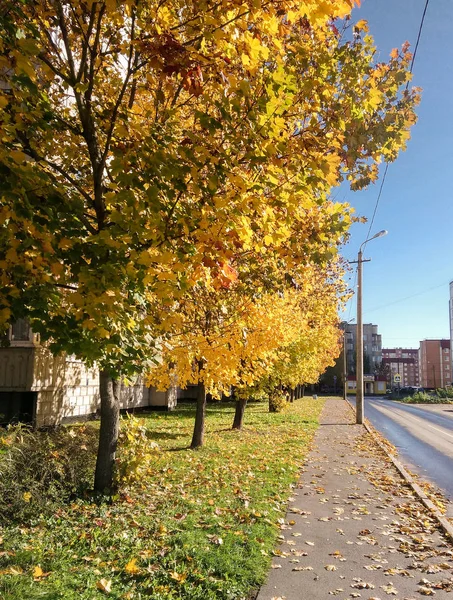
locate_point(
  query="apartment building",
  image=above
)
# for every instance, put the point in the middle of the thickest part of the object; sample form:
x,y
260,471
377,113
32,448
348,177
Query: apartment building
x,y
37,386
451,320
372,347
435,363
404,362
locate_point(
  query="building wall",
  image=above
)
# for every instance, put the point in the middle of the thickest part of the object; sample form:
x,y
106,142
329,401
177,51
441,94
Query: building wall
x,y
65,387
403,361
435,363
451,324
372,344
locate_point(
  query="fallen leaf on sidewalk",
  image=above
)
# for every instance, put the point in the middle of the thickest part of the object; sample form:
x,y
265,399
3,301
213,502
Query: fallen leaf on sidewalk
x,y
425,591
389,589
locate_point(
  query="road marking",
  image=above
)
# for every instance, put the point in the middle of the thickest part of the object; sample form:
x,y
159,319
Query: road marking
x,y
416,418
402,414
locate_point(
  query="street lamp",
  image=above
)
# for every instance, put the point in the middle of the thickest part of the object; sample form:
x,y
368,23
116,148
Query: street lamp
x,y
359,376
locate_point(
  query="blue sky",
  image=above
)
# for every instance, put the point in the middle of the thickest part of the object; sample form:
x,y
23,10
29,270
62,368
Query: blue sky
x,y
406,284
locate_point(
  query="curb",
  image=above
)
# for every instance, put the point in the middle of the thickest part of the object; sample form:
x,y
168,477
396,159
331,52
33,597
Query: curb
x,y
444,524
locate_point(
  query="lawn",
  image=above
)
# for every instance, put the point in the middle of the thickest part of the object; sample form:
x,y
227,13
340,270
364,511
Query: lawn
x,y
192,524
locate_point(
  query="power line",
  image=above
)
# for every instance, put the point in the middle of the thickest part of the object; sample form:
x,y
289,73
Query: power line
x,y
408,297
418,38
420,29
422,21
377,201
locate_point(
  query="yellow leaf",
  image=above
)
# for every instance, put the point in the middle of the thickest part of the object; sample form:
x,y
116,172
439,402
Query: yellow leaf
x,y
105,585
38,572
27,496
362,25
179,577
18,156
132,567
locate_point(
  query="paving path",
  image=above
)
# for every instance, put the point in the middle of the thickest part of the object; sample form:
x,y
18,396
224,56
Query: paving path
x,y
354,528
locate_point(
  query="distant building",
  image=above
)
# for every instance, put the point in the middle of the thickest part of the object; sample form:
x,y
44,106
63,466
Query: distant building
x,y
372,347
373,385
451,320
404,362
435,363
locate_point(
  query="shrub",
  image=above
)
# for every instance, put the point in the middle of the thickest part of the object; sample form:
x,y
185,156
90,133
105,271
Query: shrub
x,y
445,392
40,470
277,401
135,451
423,398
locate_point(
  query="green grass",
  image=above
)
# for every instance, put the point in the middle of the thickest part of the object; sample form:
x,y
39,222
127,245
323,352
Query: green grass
x,y
200,524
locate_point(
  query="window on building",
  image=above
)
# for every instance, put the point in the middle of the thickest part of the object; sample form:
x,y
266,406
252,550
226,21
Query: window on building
x,y
20,331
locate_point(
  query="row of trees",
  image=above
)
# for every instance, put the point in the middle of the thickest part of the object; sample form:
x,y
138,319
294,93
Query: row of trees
x,y
165,172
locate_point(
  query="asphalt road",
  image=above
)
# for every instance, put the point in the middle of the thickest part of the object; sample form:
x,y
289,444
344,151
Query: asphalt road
x,y
423,435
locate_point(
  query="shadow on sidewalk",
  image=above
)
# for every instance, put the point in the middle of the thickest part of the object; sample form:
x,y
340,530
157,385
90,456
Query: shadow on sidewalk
x,y
336,423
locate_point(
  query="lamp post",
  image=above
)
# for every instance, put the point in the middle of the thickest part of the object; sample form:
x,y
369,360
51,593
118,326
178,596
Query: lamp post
x,y
359,370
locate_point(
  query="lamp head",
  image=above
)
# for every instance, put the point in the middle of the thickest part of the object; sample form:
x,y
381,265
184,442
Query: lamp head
x,y
379,234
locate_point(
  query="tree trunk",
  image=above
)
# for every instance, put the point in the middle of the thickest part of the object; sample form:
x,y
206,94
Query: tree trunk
x,y
241,403
291,395
198,430
108,434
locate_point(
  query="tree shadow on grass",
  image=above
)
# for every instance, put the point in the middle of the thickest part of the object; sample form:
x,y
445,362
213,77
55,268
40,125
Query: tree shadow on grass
x,y
164,435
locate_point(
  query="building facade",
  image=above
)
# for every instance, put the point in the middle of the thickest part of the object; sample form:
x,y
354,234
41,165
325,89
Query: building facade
x,y
404,362
37,386
435,363
372,347
451,321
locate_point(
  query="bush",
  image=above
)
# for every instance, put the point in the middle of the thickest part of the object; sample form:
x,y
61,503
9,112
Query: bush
x,y
135,451
444,392
40,470
277,402
423,398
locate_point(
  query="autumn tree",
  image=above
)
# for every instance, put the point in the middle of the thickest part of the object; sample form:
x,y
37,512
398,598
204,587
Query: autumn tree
x,y
146,144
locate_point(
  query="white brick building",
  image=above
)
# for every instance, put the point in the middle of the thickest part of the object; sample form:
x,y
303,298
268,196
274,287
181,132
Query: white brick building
x,y
39,387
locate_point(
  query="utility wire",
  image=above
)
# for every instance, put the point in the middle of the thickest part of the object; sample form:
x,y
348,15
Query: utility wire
x,y
387,164
418,38
377,202
407,297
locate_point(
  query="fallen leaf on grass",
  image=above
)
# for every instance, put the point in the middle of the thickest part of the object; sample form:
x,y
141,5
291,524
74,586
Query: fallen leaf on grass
x,y
179,577
39,574
131,568
105,585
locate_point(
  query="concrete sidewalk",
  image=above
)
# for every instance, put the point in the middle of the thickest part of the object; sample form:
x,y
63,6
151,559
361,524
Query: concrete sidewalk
x,y
354,528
